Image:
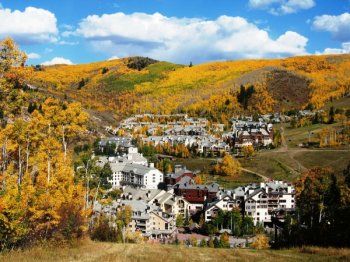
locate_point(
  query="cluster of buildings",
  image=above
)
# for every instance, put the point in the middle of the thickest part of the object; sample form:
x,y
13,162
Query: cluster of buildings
x,y
259,201
250,133
177,124
157,200
172,130
196,133
119,141
204,144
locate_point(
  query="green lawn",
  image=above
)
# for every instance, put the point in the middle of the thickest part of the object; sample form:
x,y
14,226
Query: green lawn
x,y
296,136
273,165
233,182
96,251
336,159
204,166
127,82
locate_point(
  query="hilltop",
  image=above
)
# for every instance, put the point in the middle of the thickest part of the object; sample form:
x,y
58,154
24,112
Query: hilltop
x,y
122,87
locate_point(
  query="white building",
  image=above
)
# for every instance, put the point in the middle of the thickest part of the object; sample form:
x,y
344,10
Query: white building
x,y
226,203
166,201
269,197
258,201
141,176
132,169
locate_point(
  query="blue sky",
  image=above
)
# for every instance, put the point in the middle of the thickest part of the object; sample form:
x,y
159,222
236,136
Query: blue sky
x,y
83,31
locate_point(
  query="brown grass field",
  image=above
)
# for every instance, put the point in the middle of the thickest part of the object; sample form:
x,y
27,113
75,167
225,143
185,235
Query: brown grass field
x,y
97,251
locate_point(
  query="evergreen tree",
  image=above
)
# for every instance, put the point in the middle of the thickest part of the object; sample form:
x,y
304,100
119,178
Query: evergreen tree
x,y
331,115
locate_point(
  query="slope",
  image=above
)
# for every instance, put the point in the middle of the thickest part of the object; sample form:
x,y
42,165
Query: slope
x,y
210,89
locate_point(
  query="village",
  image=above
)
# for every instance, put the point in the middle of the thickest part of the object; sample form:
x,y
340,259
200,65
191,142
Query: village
x,y
173,206
198,135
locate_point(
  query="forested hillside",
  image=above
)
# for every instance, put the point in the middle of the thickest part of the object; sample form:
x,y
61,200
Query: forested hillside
x,y
137,84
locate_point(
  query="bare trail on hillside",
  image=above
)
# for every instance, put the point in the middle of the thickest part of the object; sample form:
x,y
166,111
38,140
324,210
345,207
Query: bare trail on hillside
x,y
265,178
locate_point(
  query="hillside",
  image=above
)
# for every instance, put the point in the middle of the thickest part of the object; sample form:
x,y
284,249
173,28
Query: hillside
x,y
95,251
280,85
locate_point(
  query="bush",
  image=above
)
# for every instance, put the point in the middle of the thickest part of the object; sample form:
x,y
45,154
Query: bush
x,y
140,63
134,237
225,240
104,70
103,231
203,243
261,242
211,242
194,241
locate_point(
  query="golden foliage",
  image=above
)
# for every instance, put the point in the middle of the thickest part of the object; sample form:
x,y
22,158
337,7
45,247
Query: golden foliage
x,y
261,242
202,89
39,197
248,151
228,166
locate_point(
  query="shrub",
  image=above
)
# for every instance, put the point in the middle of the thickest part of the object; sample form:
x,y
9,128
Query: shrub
x,y
261,242
103,231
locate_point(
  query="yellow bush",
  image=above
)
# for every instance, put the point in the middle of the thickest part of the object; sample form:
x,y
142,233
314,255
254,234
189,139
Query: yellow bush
x,y
261,242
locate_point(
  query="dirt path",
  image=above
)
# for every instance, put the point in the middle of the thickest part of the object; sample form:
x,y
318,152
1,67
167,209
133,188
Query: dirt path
x,y
292,152
265,178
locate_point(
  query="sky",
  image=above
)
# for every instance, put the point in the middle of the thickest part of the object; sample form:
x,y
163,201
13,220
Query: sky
x,y
179,31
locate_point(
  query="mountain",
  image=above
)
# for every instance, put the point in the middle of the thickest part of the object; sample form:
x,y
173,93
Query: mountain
x,y
122,87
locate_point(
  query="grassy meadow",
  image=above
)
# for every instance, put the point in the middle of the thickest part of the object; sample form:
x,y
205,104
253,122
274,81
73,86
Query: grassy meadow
x,y
97,251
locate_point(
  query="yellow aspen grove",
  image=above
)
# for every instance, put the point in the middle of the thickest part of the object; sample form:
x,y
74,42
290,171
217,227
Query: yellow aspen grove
x,y
39,198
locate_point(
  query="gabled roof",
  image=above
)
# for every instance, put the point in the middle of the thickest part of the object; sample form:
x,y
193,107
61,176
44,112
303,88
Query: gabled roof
x,y
138,169
255,193
164,216
141,193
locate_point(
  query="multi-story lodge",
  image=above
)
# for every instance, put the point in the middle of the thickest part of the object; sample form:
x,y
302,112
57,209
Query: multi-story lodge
x,y
196,195
226,203
121,143
149,219
179,172
166,201
132,169
146,218
269,197
258,201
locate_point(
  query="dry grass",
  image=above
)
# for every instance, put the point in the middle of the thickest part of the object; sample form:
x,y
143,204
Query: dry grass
x,y
93,251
